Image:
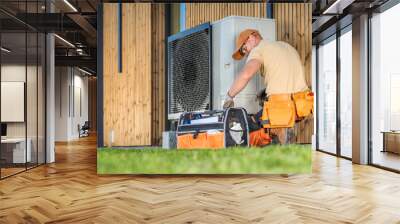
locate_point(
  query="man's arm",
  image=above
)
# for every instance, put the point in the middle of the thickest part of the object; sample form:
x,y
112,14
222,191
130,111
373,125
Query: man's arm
x,y
244,77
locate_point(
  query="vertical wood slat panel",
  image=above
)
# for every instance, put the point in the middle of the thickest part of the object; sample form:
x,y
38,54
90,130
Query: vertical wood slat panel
x,y
158,71
283,26
287,27
127,110
290,24
277,23
161,66
309,44
198,13
283,22
161,125
110,39
309,124
154,76
294,26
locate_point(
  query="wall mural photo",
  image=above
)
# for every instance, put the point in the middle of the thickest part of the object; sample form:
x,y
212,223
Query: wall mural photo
x,y
221,88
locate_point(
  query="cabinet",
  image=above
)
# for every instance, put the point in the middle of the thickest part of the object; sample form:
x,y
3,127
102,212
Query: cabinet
x,y
391,141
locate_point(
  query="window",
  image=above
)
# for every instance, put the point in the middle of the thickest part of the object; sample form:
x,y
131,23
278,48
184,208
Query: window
x,y
346,93
327,96
385,88
22,77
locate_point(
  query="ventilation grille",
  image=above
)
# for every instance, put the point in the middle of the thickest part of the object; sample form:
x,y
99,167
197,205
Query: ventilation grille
x,y
189,73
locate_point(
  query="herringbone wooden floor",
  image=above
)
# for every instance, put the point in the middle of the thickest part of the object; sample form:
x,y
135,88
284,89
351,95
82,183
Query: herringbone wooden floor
x,y
70,191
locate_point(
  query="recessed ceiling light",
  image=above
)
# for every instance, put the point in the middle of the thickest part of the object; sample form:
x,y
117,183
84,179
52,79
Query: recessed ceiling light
x,y
70,5
65,41
338,6
84,71
5,50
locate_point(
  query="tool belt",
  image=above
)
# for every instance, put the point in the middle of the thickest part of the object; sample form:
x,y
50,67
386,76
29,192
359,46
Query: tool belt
x,y
283,110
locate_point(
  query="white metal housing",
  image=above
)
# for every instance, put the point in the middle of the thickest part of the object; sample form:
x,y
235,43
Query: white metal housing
x,y
225,68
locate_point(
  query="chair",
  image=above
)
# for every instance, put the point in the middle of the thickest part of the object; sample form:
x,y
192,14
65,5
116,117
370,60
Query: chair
x,y
84,130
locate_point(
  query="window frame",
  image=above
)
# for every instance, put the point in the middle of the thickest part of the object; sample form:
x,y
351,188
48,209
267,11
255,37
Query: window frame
x,y
379,10
334,37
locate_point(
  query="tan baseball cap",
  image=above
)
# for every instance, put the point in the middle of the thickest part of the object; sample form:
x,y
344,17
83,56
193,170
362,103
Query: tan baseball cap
x,y
240,40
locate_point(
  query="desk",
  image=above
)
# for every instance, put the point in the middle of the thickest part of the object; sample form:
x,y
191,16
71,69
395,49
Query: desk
x,y
16,148
391,141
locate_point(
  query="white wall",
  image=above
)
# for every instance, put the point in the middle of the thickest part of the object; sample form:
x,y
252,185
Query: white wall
x,y
62,82
71,86
79,117
13,73
10,73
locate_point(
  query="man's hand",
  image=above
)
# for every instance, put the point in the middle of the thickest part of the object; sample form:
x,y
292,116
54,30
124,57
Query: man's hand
x,y
248,71
228,102
241,81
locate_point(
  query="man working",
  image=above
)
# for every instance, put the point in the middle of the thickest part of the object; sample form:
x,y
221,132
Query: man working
x,y
282,69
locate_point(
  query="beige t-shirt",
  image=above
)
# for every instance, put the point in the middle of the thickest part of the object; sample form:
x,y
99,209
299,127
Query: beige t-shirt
x,y
281,67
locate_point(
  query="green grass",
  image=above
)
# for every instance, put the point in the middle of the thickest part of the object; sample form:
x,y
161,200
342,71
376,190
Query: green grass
x,y
274,159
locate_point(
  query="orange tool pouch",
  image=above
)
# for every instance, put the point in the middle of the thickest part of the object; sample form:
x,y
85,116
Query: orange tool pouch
x,y
259,138
201,141
279,112
304,102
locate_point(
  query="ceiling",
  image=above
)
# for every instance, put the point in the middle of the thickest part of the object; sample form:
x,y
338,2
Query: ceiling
x,y
331,15
74,21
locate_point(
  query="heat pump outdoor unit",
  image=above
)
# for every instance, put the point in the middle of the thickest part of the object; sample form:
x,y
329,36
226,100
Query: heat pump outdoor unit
x,y
201,68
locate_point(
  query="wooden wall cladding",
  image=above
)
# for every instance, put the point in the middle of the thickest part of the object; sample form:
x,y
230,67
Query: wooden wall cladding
x,y
158,72
294,25
198,13
127,95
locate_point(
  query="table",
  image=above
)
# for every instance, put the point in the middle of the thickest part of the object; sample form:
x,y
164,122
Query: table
x,y
391,141
16,148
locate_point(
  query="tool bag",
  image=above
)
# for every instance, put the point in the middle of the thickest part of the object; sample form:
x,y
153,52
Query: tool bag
x,y
213,129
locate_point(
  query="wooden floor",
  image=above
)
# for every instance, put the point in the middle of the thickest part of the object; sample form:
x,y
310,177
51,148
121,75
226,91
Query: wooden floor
x,y
9,171
5,172
70,191
386,159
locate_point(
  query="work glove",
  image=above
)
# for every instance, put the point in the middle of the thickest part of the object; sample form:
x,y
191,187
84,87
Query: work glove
x,y
228,102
